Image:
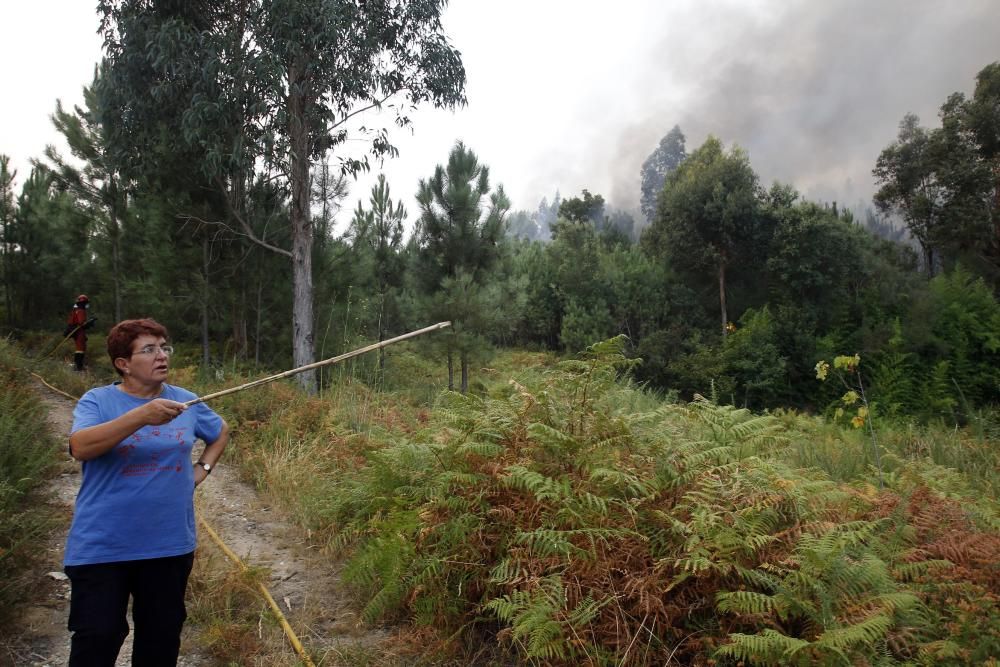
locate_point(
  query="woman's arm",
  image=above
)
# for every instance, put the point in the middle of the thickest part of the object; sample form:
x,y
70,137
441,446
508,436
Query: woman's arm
x,y
212,453
93,441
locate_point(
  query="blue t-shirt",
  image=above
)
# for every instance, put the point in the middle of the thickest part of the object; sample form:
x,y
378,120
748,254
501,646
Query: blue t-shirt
x,y
136,501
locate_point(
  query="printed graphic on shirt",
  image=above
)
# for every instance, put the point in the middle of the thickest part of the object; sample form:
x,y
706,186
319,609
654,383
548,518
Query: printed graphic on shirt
x,y
152,450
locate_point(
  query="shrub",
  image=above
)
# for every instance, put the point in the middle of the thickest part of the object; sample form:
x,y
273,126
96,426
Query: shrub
x,y
584,533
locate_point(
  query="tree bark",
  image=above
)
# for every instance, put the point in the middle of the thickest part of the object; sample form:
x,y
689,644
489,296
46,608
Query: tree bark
x,y
722,297
256,334
204,305
451,372
303,344
381,333
928,259
5,257
115,234
465,373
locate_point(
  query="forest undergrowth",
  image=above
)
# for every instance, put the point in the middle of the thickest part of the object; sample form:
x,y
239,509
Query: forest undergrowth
x,y
27,457
563,515
568,516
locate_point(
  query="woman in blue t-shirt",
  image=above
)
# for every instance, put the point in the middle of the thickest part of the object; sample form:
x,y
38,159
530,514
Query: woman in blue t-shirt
x,y
133,532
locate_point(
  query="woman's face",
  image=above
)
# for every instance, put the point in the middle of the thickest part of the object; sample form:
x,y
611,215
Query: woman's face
x,y
149,363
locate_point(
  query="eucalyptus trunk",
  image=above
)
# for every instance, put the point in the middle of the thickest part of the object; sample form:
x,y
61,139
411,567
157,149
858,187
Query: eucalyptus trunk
x,y
303,347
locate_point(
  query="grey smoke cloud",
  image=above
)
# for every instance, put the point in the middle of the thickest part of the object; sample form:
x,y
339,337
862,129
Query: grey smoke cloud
x,y
573,94
813,90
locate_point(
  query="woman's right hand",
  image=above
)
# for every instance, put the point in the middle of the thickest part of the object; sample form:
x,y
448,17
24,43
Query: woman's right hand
x,y
93,441
160,411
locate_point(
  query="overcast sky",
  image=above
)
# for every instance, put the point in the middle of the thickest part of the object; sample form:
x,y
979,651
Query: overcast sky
x,y
566,95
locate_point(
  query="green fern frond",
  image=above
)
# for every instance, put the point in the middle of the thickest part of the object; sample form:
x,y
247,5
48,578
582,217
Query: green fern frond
x,y
508,571
868,632
384,601
897,602
544,542
769,647
553,439
620,481
542,487
486,450
747,602
912,571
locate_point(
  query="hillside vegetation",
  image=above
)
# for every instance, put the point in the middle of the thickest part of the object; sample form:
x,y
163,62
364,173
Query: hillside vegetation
x,y
570,517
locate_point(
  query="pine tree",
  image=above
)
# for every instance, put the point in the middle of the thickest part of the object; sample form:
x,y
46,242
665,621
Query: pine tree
x,y
461,229
97,184
377,236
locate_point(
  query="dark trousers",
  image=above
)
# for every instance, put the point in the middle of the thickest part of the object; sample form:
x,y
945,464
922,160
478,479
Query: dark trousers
x,y
99,604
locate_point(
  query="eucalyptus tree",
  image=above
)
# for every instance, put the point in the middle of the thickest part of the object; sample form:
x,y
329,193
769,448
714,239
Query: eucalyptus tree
x,y
945,182
975,123
459,239
908,185
667,156
707,217
275,82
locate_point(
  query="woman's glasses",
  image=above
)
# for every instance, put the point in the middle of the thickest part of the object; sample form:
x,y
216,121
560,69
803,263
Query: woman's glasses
x,y
167,350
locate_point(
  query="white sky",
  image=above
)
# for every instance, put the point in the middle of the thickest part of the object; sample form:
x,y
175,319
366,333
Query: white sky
x,y
575,94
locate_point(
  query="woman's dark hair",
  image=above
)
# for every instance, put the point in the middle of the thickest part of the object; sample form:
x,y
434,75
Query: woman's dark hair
x,y
122,335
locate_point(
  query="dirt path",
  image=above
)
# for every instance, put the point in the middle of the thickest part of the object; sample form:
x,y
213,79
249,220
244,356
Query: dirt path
x,y
305,586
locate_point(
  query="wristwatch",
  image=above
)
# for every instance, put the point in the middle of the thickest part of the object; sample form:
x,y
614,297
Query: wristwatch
x,y
206,466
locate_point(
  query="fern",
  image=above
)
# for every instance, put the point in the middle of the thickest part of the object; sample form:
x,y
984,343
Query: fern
x,y
592,536
543,620
767,648
748,602
543,488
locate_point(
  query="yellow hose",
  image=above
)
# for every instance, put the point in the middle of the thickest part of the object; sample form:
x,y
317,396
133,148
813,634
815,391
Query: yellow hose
x,y
292,637
58,391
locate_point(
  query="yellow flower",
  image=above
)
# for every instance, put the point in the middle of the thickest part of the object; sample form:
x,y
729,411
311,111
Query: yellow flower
x,y
862,412
847,363
838,413
850,398
822,368
857,422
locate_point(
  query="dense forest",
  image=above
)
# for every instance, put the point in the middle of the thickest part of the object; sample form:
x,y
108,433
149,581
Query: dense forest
x,y
715,362
722,284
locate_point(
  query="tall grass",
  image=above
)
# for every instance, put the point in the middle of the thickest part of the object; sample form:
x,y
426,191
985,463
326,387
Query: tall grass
x,y
27,456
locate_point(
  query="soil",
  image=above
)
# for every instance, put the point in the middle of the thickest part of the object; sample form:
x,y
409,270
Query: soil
x,y
306,586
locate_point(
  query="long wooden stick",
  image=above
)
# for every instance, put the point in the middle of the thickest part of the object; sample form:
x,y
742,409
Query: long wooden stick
x,y
318,364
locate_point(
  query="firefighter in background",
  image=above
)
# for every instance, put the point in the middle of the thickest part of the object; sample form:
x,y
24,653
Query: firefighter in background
x,y
77,325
